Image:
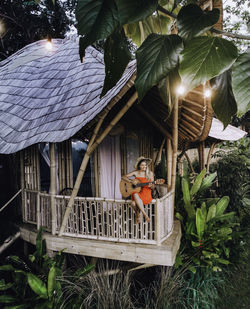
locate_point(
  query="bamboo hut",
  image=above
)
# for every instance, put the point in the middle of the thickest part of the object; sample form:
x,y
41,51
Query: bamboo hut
x,y
73,147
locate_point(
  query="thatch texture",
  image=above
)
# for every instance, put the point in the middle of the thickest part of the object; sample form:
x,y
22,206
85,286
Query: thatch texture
x,y
48,96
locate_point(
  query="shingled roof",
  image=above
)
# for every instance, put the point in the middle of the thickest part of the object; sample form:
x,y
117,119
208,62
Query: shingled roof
x,y
48,96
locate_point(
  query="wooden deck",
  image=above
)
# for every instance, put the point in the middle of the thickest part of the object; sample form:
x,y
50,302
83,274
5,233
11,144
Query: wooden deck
x,y
163,254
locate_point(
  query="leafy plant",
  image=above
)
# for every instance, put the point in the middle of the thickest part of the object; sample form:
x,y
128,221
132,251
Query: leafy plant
x,y
207,228
34,283
195,53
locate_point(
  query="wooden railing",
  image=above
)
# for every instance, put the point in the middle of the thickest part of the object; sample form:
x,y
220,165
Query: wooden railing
x,y
104,219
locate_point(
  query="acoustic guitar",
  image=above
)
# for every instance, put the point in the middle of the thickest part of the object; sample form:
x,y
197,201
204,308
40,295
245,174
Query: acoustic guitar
x,y
126,188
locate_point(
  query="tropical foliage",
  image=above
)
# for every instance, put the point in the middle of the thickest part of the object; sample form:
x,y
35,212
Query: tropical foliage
x,y
194,52
35,283
207,227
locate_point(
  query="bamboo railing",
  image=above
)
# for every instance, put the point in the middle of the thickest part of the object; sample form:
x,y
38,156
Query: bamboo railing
x,y
103,219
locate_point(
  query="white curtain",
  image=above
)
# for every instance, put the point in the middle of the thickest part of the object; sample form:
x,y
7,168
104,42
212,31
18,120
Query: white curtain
x,y
44,150
110,167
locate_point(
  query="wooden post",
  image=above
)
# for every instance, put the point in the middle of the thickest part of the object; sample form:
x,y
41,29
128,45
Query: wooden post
x,y
53,186
159,154
175,142
91,147
22,184
38,211
157,222
38,169
201,150
189,163
211,150
169,162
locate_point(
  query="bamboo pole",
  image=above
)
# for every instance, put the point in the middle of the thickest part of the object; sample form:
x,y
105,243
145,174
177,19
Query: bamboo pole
x,y
9,241
201,155
189,163
175,142
91,147
159,155
22,181
154,122
169,162
53,187
13,197
38,211
70,165
209,156
38,170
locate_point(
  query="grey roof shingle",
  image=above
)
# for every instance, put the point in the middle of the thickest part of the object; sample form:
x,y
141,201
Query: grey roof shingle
x,y
48,96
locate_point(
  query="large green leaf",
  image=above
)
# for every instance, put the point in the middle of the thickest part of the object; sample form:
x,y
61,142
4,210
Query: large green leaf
x,y
96,20
200,223
37,285
204,58
51,281
221,206
211,212
192,21
139,31
135,10
207,182
186,197
223,101
197,183
241,83
87,12
157,56
116,57
166,89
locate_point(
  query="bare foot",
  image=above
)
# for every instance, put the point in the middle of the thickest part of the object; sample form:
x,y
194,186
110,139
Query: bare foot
x,y
147,219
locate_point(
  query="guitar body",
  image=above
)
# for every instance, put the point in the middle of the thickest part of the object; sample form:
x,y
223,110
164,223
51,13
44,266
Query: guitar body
x,y
127,188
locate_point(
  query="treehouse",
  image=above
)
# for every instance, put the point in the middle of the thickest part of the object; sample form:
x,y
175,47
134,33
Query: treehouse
x,y
73,147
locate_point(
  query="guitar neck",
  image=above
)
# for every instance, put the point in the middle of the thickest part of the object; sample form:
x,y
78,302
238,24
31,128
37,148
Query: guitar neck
x,y
144,184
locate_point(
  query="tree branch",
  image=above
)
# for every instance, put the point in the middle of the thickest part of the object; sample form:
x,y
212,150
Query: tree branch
x,y
229,34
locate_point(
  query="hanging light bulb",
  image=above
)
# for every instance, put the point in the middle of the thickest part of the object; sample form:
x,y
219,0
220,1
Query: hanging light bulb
x,y
48,45
180,90
207,93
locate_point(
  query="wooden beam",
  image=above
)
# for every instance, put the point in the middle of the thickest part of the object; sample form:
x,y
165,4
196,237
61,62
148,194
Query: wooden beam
x,y
53,185
154,122
9,241
138,253
93,144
